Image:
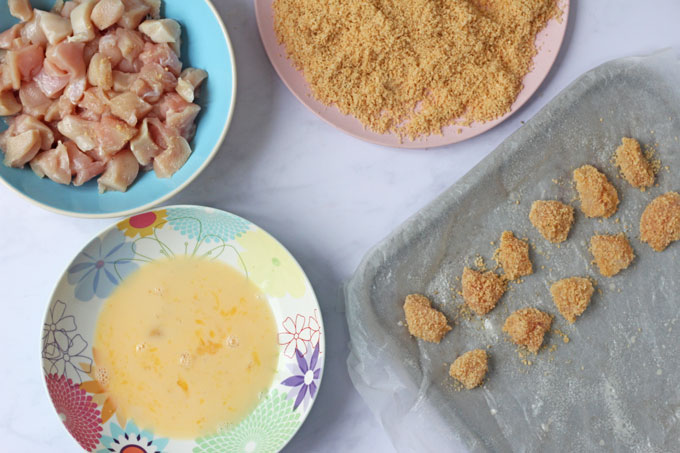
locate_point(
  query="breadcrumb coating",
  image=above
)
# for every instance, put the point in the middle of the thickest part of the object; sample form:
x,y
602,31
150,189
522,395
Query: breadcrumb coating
x,y
481,291
612,253
470,368
413,66
527,327
660,221
635,168
423,321
513,256
553,219
598,196
572,296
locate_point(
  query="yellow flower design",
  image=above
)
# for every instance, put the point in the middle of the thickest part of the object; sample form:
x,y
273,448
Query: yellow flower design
x,y
143,224
270,266
99,394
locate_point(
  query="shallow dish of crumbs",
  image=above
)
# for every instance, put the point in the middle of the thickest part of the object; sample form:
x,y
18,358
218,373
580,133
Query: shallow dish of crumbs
x,y
391,113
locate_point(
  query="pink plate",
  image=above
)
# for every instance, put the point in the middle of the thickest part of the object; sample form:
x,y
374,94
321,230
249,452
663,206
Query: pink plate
x,y
548,42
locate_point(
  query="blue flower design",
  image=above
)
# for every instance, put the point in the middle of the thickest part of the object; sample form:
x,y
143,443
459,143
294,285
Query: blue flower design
x,y
62,352
122,440
101,266
208,225
304,382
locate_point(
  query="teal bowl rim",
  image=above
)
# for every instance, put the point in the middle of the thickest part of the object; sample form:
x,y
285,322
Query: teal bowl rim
x,y
176,190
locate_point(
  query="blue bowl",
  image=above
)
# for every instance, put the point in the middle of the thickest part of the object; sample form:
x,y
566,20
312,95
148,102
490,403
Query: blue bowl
x,y
205,45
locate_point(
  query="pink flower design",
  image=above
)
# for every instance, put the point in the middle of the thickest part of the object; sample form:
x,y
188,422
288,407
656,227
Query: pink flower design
x,y
294,336
315,329
76,409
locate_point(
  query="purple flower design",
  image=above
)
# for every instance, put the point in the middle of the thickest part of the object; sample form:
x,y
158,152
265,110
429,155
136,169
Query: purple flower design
x,y
306,376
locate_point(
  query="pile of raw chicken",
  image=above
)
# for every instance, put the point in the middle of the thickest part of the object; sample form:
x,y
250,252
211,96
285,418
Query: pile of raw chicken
x,y
96,88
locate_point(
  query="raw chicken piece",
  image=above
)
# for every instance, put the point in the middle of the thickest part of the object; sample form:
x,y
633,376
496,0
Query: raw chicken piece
x,y
172,158
157,77
129,107
54,164
135,12
34,101
108,46
163,30
23,123
59,109
33,33
66,8
146,92
8,104
83,168
170,102
21,9
162,55
122,80
112,135
54,27
160,134
120,172
91,48
10,69
94,103
143,146
189,80
8,36
20,149
75,89
79,130
68,56
130,43
51,80
29,61
183,120
83,30
155,6
99,72
107,13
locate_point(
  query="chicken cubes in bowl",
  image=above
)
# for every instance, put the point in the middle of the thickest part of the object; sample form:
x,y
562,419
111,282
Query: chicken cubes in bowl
x,y
96,89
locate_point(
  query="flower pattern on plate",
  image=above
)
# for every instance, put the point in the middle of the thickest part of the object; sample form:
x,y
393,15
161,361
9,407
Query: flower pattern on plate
x,y
101,266
97,386
143,224
131,440
76,409
265,430
64,350
209,225
304,381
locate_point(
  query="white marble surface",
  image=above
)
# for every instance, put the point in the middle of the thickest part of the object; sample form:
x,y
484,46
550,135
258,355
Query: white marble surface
x,y
326,196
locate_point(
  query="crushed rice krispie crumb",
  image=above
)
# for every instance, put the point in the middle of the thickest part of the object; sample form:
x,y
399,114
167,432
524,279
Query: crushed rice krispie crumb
x,y
572,296
415,66
612,253
423,321
660,221
527,327
635,168
481,291
598,196
513,256
553,219
470,368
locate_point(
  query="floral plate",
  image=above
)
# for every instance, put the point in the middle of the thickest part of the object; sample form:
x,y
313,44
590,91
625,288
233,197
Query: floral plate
x,y
69,366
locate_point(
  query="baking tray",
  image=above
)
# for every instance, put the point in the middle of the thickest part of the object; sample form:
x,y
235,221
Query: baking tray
x,y
615,386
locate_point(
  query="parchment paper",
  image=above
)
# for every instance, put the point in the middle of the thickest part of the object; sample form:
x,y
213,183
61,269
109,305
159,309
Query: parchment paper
x,y
616,385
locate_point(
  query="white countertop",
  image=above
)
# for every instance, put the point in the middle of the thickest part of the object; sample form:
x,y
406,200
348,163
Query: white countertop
x,y
326,196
